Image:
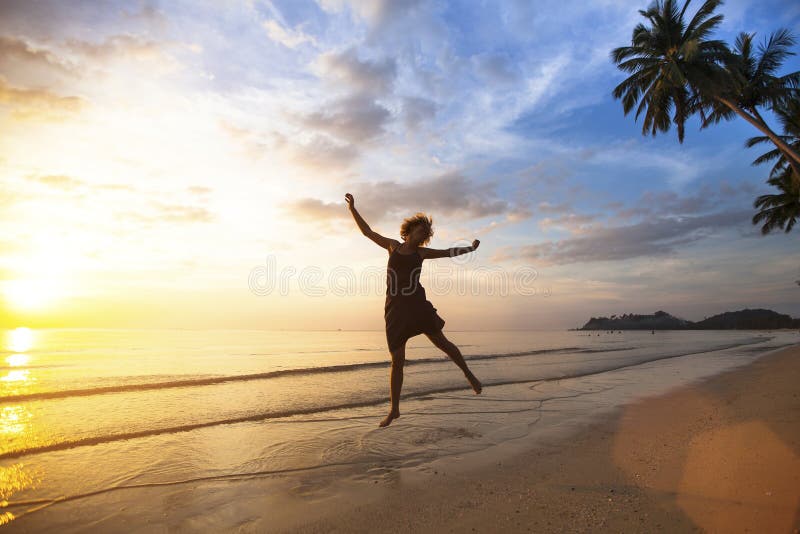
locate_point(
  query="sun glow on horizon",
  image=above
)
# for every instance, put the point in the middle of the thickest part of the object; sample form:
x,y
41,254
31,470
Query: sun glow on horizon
x,y
31,294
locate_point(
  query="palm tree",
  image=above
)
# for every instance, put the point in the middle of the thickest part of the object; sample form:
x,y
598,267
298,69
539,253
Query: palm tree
x,y
669,62
779,210
677,69
753,84
788,114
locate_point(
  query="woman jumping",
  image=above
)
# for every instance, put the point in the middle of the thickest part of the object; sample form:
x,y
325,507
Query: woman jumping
x,y
407,311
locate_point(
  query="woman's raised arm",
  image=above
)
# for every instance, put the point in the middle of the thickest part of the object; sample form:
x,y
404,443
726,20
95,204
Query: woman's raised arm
x,y
381,241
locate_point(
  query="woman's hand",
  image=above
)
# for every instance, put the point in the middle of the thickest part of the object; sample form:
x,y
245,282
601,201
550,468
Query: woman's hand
x,y
351,202
475,244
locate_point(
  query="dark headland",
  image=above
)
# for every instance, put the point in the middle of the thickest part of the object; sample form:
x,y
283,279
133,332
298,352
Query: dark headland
x,y
758,319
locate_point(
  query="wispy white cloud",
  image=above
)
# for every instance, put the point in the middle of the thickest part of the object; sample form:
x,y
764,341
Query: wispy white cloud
x,y
376,13
38,104
287,37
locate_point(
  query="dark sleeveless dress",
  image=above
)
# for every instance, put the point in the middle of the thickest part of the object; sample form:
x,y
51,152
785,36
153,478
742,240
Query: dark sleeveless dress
x,y
407,311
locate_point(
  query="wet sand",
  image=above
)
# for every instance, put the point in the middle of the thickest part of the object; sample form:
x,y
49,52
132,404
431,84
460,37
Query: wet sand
x,y
720,455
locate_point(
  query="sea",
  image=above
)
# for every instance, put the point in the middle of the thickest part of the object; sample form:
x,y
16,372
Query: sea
x,y
90,416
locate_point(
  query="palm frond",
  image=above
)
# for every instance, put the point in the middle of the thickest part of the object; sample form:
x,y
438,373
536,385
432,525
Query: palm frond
x,y
774,52
781,209
702,15
706,27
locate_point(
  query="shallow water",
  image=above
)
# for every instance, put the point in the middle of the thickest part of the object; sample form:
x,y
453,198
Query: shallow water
x,y
85,411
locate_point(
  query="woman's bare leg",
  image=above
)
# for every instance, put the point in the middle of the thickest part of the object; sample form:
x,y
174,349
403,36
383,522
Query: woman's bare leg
x,y
454,353
395,384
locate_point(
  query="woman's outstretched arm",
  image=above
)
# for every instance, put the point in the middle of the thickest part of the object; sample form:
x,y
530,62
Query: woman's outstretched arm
x,y
431,253
381,241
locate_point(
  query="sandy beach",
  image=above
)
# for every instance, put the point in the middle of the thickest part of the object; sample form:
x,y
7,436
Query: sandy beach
x,y
721,455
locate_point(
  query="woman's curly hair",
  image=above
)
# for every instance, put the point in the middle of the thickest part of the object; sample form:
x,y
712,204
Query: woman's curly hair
x,y
419,219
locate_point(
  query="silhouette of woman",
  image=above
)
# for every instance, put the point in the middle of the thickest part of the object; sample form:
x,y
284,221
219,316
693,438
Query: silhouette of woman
x,y
407,311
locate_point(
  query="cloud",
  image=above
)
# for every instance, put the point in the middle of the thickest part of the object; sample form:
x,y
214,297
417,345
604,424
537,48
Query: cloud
x,y
171,213
123,46
74,65
417,110
179,213
312,209
13,48
199,190
287,37
450,194
376,13
513,216
495,68
574,223
38,104
149,15
322,153
519,213
547,207
657,237
374,77
706,198
356,118
81,59
57,180
68,183
315,151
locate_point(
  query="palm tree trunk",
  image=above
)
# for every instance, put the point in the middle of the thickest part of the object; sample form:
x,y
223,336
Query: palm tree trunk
x,y
787,150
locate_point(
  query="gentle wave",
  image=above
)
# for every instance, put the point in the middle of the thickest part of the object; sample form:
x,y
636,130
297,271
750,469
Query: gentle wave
x,y
210,381
96,440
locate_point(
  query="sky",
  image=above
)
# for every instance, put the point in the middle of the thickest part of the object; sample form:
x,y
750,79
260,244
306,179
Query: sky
x,y
184,164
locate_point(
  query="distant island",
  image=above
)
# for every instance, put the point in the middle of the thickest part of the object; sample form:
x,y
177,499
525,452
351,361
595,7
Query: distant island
x,y
739,320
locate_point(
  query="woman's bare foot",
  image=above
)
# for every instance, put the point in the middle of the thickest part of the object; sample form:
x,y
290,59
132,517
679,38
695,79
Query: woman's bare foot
x,y
476,384
389,418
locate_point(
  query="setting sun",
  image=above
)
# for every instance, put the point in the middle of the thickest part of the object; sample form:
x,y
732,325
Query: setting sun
x,y
30,295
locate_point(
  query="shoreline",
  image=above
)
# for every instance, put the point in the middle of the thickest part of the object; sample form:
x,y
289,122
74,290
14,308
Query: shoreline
x,y
567,454
722,454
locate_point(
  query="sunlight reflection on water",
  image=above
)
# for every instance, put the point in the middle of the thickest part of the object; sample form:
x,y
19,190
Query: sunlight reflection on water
x,y
17,360
20,339
13,419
